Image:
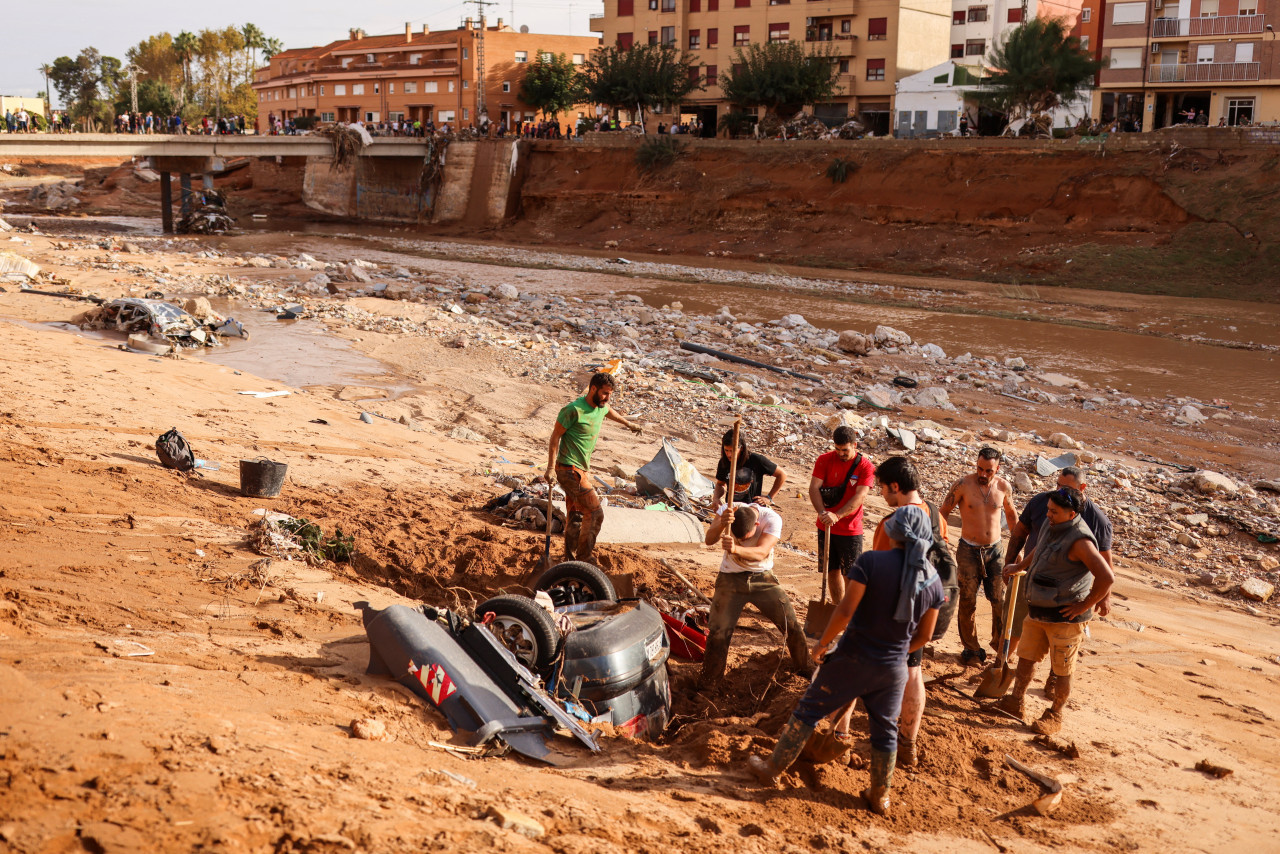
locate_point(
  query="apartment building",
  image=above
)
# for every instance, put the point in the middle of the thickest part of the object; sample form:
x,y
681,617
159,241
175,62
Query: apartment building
x,y
874,43
979,25
411,76
1169,57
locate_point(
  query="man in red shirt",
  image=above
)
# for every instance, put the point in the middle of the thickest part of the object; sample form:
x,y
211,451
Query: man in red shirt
x,y
839,485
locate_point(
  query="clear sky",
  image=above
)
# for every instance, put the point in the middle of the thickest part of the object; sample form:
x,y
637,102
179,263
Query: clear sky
x,y
37,32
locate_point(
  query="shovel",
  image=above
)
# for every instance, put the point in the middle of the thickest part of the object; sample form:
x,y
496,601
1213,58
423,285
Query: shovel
x,y
819,613
995,683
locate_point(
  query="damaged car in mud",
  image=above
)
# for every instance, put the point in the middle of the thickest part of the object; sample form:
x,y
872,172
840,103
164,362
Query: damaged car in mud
x,y
525,667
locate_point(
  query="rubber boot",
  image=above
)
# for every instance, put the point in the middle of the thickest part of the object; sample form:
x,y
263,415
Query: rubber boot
x,y
1051,685
908,756
791,740
877,794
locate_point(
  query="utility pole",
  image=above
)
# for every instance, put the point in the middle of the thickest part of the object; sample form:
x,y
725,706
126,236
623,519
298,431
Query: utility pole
x,y
133,86
482,112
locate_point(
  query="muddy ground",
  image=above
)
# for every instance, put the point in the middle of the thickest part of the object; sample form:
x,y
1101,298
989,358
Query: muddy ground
x,y
166,694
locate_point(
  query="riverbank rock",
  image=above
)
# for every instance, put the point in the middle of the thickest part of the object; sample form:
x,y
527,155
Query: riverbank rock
x,y
507,292
1022,482
887,336
851,420
466,434
1062,440
1190,415
1210,482
934,397
1256,589
854,342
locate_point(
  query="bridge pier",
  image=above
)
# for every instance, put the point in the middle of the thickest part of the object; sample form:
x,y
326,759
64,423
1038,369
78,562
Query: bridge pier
x,y
166,203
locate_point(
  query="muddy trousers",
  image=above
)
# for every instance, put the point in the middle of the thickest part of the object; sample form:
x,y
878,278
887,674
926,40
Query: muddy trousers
x,y
979,566
734,590
846,676
583,514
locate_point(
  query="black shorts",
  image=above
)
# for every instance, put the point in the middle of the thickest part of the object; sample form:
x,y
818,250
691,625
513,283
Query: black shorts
x,y
915,659
844,551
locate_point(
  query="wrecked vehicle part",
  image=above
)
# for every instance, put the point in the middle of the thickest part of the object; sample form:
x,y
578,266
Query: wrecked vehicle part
x,y
524,627
153,317
614,664
466,673
574,582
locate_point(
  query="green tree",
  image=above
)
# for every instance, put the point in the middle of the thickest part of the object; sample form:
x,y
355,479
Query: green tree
x,y
550,84
46,69
781,77
1037,67
270,47
254,38
185,47
641,78
154,96
83,82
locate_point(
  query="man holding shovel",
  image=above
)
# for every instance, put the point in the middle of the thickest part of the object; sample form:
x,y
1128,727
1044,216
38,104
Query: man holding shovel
x,y
889,607
569,458
1066,578
837,489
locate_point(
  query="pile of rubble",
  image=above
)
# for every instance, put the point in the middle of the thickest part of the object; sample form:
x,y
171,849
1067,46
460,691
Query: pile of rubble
x,y
55,196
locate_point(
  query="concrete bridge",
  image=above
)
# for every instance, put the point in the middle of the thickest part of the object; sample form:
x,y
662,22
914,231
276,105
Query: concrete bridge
x,y
124,145
191,154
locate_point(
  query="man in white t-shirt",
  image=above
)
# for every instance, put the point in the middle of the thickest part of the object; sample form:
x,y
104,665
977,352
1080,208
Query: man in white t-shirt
x,y
748,536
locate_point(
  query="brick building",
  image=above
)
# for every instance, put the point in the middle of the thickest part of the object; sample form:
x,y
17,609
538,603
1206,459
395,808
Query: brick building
x,y
979,25
1167,57
874,42
411,75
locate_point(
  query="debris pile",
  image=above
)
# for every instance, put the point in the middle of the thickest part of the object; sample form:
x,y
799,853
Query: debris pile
x,y
156,323
208,217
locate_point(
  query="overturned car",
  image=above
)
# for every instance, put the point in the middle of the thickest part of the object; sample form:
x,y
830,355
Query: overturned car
x,y
523,668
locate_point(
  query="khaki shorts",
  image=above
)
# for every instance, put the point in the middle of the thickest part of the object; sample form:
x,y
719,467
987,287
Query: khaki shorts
x,y
1060,641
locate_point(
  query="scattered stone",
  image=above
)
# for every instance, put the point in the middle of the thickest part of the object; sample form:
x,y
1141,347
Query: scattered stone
x,y
792,321
1268,485
1213,770
1062,440
746,391
1266,563
1210,482
509,819
854,342
1197,519
1190,415
1015,363
851,420
1187,540
771,400
877,398
369,729
466,434
933,351
1022,482
1061,381
887,336
933,398
507,292
1256,589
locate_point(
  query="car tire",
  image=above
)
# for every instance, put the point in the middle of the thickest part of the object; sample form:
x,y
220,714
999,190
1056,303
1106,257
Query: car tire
x,y
524,627
905,382
574,582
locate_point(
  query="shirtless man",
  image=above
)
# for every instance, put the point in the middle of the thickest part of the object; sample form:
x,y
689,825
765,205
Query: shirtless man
x,y
980,497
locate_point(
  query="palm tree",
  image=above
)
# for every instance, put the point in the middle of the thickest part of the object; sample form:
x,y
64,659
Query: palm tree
x,y
253,39
46,69
185,46
270,47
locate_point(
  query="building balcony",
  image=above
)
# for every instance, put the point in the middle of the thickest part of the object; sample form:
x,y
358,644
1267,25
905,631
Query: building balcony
x,y
1204,72
1221,25
595,22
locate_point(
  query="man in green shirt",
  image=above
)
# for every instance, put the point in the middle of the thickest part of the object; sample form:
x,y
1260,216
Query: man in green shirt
x,y
569,457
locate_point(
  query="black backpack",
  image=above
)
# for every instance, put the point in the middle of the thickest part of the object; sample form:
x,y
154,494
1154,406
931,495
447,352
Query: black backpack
x,y
940,556
174,452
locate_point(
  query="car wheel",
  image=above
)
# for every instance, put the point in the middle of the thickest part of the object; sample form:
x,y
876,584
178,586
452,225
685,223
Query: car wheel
x,y
524,627
574,582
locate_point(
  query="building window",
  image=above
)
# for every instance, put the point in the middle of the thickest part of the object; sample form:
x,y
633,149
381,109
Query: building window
x,y
506,86
693,74
742,35
1084,42
452,85
713,37
321,90
844,66
326,117
695,5
466,114
712,71
370,117
1204,53
957,51
975,47
466,53
713,5
377,89
357,88
653,37
668,35
579,58
846,26
875,69
1126,57
695,39
339,89
626,8
415,58
1208,8
653,5
466,84
1128,13
740,4
346,61
1240,110
957,18
1244,51
370,58
625,40
668,5
877,29
446,116
1248,7
1086,15
779,32
430,86
977,14
1015,15
522,56
411,87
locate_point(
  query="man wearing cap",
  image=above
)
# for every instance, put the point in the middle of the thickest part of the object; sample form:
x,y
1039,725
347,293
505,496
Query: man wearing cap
x,y
569,458
889,610
1028,528
1066,578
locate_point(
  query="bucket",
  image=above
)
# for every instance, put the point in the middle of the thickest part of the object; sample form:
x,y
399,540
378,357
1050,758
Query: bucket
x,y
261,478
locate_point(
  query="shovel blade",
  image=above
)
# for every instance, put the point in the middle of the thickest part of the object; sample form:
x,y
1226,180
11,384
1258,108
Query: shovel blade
x,y
995,683
817,615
